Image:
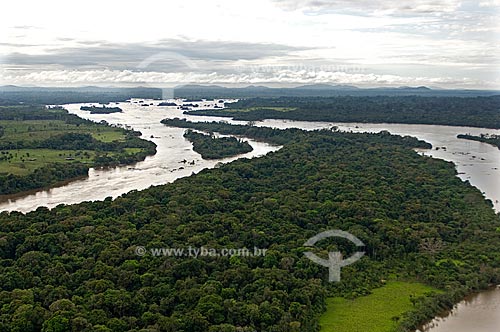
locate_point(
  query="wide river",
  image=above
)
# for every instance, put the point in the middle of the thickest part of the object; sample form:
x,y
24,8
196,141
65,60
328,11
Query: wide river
x,y
476,162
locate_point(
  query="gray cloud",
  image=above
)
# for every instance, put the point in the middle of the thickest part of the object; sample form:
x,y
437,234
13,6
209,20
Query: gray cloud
x,y
169,55
367,6
65,39
447,42
17,44
25,27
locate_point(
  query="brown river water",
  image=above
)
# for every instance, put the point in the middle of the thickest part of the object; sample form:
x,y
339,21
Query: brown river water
x,y
478,163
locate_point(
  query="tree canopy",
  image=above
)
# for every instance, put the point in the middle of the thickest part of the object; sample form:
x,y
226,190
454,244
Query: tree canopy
x,y
75,268
211,147
452,111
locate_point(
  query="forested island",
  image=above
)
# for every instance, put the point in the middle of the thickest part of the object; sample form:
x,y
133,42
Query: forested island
x,y
101,109
271,135
43,146
484,138
452,111
76,268
167,104
211,147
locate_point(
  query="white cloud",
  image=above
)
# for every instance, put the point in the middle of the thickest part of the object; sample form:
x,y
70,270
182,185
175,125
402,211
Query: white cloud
x,y
412,39
390,6
490,3
278,76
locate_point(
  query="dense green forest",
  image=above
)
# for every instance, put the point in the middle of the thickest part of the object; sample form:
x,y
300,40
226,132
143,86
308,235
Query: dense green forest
x,y
41,146
211,147
453,111
271,135
56,96
485,138
44,176
318,90
75,268
101,110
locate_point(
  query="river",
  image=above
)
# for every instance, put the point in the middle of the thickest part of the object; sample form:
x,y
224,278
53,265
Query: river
x,y
479,163
478,313
476,162
164,167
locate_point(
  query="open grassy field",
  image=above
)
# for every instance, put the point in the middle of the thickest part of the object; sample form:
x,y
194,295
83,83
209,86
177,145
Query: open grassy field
x,y
41,146
26,161
109,135
376,312
31,130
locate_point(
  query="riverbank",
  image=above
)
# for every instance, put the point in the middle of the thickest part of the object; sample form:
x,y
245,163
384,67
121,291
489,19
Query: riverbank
x,y
482,171
492,140
163,167
478,311
42,147
13,197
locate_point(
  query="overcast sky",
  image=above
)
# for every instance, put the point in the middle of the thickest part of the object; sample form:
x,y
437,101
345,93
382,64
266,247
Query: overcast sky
x,y
447,43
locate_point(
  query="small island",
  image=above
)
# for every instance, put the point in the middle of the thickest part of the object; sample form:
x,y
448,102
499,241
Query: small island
x,y
484,138
211,147
101,110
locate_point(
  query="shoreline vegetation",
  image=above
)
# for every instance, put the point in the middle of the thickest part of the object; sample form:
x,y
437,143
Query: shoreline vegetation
x,y
424,307
449,111
76,266
211,147
272,135
7,197
484,138
43,146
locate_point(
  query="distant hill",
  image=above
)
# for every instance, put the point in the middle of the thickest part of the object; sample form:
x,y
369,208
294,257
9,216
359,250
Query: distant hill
x,y
320,90
61,95
326,87
418,88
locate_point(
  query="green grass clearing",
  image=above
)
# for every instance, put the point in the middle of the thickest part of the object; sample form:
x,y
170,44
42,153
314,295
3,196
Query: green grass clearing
x,y
372,313
35,138
25,161
108,135
33,130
